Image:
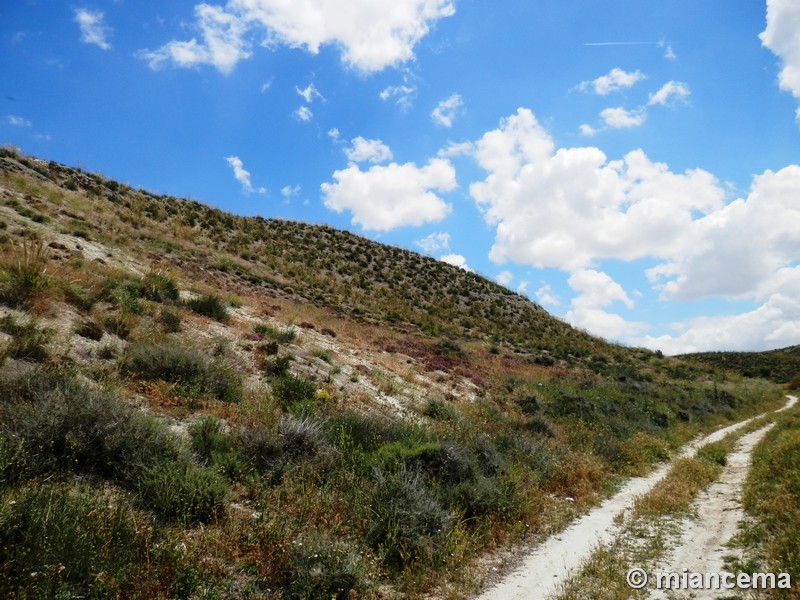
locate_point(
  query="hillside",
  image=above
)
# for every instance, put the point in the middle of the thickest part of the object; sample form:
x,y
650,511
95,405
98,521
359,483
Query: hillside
x,y
200,405
780,366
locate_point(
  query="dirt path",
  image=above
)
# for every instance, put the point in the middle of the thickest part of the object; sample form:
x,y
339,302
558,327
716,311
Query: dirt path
x,y
702,544
552,562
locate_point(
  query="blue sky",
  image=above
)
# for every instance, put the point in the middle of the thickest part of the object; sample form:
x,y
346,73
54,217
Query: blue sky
x,y
633,167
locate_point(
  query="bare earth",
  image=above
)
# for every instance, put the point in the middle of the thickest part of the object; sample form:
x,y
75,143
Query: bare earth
x,y
552,562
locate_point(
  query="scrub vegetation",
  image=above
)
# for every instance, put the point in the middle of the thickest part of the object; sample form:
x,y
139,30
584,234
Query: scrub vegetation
x,y
199,405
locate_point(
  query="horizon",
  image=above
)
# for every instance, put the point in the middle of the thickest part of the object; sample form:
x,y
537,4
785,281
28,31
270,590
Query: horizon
x,y
631,169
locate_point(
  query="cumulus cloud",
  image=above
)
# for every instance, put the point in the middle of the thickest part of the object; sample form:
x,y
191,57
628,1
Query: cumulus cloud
x,y
434,242
386,197
93,29
670,93
544,295
222,43
619,118
445,112
504,278
242,176
457,260
775,323
780,36
615,80
371,34
567,208
456,149
362,150
571,208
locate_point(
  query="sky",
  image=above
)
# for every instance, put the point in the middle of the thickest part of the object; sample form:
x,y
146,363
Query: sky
x,y
633,167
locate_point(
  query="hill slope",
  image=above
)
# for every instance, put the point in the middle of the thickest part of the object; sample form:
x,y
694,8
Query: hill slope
x,y
780,366
218,406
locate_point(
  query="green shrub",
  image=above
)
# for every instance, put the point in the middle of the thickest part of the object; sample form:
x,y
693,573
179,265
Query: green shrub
x,y
61,541
210,306
180,491
190,371
170,320
159,287
58,423
282,336
407,524
290,389
320,567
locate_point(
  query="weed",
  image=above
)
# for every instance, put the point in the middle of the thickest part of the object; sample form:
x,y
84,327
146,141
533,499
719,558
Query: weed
x,y
210,306
23,274
170,320
28,341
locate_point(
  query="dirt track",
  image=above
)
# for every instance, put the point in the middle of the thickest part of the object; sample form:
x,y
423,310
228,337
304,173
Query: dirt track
x,y
552,562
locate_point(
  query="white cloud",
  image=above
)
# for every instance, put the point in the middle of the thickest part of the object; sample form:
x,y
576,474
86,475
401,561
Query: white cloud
x,y
371,34
781,37
504,278
587,130
741,250
304,114
545,296
620,118
773,324
309,93
456,149
434,242
374,151
242,176
19,121
615,80
93,29
670,93
389,196
334,134
457,260
290,191
445,112
403,94
570,207
596,289
222,45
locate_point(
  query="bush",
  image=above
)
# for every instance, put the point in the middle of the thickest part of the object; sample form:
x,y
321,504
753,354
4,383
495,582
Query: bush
x,y
191,372
180,491
159,287
60,541
170,320
58,423
210,306
408,524
290,389
319,567
282,336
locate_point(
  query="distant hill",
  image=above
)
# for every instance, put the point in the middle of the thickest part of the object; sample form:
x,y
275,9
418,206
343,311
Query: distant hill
x,y
780,366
